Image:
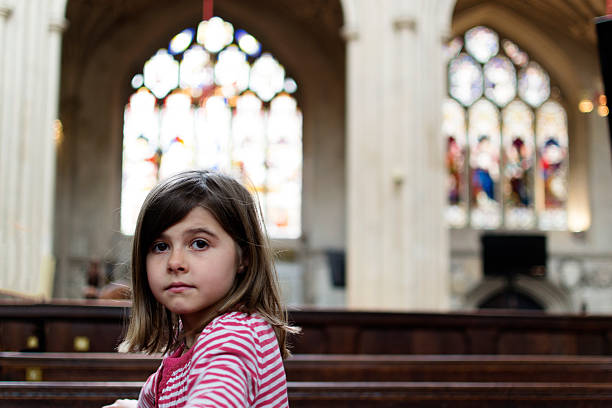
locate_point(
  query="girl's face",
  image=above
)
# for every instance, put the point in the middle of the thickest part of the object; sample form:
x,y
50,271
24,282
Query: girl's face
x,y
192,265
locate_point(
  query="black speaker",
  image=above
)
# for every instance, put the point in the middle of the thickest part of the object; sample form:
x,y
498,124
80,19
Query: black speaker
x,y
603,26
336,262
509,255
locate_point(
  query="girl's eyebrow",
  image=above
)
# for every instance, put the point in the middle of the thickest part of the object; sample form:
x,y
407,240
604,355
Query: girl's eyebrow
x,y
200,230
193,231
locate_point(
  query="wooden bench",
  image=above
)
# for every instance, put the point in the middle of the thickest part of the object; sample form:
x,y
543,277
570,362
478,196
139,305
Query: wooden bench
x,y
96,326
26,366
342,394
460,368
15,366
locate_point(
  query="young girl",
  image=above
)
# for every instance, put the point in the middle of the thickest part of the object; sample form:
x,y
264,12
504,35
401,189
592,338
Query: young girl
x,y
205,293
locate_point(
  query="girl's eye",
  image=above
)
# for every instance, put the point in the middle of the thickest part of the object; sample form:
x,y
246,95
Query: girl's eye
x,y
199,244
159,247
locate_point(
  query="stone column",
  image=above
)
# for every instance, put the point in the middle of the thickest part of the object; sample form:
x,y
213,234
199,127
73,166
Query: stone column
x,y
397,243
5,139
30,41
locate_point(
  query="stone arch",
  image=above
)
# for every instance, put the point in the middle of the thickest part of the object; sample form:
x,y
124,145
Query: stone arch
x,y
552,298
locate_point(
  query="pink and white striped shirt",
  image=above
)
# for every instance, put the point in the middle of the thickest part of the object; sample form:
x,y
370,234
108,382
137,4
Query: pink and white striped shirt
x,y
235,362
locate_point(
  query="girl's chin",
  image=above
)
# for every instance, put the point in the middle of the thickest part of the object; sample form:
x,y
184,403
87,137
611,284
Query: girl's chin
x,y
180,309
187,312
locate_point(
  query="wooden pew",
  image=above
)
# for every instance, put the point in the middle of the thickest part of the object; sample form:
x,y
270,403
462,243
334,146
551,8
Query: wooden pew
x,y
96,326
325,367
28,366
342,394
442,368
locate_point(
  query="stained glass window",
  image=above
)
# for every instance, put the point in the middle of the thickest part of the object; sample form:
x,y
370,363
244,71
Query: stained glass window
x,y
212,99
506,138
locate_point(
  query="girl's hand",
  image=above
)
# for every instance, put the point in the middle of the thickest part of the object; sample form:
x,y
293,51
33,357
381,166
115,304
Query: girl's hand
x,y
123,403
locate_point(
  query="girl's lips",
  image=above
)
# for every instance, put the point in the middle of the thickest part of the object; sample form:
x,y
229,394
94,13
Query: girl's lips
x,y
178,287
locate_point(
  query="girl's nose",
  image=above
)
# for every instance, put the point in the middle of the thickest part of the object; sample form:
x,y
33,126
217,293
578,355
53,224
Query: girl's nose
x,y
176,262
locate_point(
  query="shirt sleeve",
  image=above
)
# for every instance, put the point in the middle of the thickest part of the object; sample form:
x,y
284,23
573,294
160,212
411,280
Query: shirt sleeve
x,y
224,371
146,399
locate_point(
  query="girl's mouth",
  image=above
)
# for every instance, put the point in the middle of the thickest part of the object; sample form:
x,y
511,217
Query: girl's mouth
x,y
179,287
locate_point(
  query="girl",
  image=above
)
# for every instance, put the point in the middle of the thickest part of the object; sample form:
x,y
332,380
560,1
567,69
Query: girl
x,y
205,293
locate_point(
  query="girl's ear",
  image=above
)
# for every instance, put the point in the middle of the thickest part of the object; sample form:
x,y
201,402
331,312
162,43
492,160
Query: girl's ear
x,y
240,259
243,264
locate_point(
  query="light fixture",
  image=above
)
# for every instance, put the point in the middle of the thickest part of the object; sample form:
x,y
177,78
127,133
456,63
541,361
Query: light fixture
x,y
585,105
588,104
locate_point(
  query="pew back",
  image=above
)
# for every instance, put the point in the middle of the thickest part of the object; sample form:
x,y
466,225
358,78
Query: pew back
x,y
15,366
97,326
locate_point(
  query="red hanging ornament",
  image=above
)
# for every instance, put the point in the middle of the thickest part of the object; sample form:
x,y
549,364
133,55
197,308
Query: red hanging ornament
x,y
207,9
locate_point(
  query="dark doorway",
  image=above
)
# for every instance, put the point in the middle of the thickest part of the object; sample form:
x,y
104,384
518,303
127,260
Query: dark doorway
x,y
510,298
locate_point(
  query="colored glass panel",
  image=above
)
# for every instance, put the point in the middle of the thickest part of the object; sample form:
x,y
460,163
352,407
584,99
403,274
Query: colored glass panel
x,y
232,71
551,137
215,34
249,141
181,41
465,79
284,161
534,84
519,156
176,135
484,139
161,73
454,131
518,56
500,80
196,70
140,155
482,43
248,43
452,48
213,134
267,77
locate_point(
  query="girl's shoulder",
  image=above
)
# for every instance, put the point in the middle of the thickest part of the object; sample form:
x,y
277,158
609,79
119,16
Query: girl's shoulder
x,y
236,331
239,321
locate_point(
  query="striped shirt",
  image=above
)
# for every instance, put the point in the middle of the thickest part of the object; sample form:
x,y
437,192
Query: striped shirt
x,y
235,362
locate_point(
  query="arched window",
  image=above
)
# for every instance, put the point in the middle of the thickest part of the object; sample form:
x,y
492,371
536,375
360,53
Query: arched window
x,y
213,100
506,137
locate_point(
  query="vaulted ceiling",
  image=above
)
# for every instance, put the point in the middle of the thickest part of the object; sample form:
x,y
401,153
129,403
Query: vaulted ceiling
x,y
571,18
90,21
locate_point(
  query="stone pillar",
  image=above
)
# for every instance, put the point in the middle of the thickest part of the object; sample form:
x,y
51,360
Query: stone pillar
x,y
397,243
30,42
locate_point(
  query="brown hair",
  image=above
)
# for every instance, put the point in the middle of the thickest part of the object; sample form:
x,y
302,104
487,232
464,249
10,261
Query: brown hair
x,y
152,327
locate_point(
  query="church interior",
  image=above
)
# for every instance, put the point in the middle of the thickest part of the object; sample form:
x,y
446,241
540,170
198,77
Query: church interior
x,y
440,164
